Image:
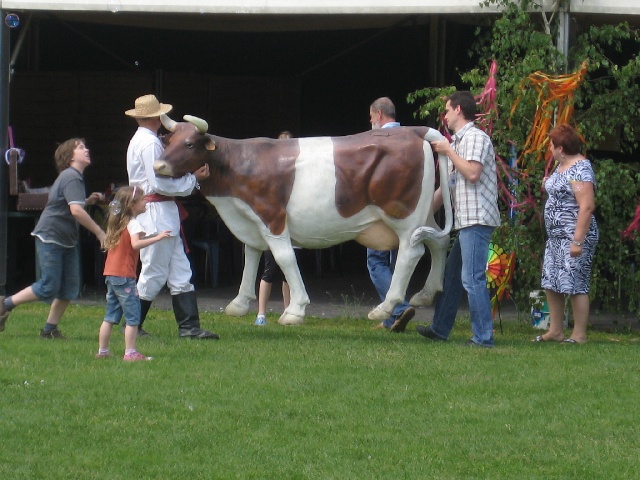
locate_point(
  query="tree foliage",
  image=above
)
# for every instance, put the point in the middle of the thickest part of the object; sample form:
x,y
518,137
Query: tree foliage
x,y
523,40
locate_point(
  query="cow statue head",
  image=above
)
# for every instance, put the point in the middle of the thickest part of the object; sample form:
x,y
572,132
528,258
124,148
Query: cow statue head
x,y
187,147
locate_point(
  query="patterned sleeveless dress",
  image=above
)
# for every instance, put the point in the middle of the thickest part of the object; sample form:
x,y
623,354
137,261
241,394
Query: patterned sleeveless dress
x,y
560,272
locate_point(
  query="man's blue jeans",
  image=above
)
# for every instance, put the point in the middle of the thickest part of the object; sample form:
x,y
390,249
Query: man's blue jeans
x,y
381,264
466,270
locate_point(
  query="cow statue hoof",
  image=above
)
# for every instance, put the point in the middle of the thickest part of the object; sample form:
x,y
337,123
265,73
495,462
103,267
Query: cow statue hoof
x,y
290,319
423,298
237,308
378,314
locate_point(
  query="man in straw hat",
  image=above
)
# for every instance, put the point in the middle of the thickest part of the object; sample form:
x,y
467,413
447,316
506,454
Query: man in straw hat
x,y
166,261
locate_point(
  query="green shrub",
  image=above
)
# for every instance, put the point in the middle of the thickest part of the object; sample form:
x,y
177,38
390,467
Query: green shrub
x,y
522,41
614,279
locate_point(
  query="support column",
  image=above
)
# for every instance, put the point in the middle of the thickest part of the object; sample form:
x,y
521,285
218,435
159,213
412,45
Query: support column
x,y
437,31
4,123
562,41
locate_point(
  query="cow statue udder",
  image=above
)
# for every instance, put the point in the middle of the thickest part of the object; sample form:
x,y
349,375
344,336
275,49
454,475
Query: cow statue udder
x,y
375,187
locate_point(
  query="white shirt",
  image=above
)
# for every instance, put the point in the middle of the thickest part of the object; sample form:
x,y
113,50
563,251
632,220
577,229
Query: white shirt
x,y
144,148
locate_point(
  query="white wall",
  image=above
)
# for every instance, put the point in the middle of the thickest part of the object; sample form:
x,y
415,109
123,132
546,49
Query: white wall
x,y
624,7
253,6
303,6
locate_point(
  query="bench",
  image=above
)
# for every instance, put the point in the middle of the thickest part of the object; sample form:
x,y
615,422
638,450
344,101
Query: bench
x,y
26,201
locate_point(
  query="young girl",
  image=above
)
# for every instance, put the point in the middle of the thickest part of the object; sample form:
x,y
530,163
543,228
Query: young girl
x,y
124,240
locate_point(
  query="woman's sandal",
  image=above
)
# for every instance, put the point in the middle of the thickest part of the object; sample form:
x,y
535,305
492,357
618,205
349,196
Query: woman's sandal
x,y
570,340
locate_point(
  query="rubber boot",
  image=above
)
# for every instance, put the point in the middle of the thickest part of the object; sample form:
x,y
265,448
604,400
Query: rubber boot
x,y
145,305
185,309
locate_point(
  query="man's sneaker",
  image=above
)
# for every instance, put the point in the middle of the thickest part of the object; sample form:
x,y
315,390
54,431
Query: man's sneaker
x,y
400,325
52,334
3,320
428,333
142,332
104,355
471,343
135,357
4,315
197,333
261,320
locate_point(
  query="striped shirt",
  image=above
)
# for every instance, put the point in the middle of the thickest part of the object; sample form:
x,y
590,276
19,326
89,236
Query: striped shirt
x,y
475,203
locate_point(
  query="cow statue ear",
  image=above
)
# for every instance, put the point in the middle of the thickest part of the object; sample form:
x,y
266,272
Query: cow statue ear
x,y
210,145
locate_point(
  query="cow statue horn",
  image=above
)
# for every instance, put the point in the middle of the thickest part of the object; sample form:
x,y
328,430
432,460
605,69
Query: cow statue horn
x,y
168,123
199,123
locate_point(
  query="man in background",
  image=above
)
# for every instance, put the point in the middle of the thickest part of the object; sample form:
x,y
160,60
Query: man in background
x,y
380,264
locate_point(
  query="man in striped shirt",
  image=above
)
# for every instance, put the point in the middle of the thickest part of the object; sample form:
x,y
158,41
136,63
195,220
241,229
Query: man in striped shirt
x,y
474,191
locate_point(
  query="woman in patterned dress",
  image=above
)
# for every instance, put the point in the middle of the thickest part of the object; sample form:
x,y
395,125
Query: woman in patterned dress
x,y
572,235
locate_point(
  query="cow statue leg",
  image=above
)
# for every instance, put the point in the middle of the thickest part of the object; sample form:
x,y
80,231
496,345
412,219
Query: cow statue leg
x,y
408,257
299,299
438,248
239,306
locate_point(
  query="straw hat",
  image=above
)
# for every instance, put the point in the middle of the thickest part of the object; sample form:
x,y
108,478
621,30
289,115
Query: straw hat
x,y
148,106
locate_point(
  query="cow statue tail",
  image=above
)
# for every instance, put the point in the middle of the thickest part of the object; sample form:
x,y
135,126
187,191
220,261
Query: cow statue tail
x,y
432,236
422,234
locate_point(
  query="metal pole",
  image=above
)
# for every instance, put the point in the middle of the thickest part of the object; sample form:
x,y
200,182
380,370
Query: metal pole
x,y
562,41
4,123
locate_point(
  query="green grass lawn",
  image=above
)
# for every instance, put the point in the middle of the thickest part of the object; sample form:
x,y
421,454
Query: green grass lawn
x,y
331,399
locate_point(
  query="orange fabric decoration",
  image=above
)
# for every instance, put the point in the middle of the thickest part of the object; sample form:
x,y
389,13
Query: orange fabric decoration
x,y
554,91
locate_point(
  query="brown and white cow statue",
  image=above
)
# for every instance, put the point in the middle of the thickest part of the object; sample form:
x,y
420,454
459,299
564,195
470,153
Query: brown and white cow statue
x,y
375,187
